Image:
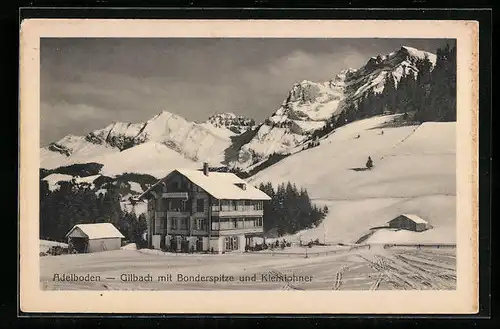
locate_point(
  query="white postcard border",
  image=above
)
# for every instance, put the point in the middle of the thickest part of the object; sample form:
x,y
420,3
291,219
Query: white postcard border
x,y
463,300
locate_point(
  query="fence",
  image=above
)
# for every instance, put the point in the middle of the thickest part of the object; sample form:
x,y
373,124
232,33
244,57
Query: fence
x,y
422,245
306,253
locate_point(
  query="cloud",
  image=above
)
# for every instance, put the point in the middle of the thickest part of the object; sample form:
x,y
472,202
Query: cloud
x,y
60,119
78,101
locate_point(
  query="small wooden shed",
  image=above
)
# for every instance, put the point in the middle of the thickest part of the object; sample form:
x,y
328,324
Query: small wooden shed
x,y
409,222
86,238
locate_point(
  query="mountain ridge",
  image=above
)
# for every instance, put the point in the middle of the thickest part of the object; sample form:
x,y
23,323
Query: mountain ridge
x,y
309,105
306,109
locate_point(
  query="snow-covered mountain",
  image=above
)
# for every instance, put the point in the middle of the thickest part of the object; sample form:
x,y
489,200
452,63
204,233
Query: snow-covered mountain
x,y
310,104
237,124
168,140
165,138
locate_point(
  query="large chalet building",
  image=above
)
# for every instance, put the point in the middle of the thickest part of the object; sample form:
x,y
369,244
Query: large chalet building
x,y
202,210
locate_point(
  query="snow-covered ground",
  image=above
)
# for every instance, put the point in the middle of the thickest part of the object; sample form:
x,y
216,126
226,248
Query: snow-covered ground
x,y
138,208
414,173
54,179
149,158
136,187
45,245
130,246
363,269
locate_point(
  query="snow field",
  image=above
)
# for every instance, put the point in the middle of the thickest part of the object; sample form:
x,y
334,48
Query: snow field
x,y
414,173
360,270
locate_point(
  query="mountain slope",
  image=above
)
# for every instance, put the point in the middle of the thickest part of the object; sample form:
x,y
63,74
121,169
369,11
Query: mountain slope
x,y
309,105
148,146
414,172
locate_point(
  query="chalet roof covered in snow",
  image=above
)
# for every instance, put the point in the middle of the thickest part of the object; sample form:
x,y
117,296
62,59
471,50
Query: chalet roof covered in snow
x,y
97,231
221,185
414,218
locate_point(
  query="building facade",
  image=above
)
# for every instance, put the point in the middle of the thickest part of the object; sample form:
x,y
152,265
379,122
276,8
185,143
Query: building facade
x,y
409,222
199,210
87,238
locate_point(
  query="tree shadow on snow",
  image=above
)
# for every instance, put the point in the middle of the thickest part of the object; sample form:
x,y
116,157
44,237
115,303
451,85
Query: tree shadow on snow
x,y
359,169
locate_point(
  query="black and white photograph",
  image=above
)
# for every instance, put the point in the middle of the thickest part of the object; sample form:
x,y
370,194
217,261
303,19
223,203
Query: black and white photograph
x,y
248,164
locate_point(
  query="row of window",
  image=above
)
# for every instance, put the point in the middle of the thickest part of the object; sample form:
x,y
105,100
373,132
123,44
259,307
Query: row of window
x,y
175,223
236,223
238,205
225,205
184,206
200,224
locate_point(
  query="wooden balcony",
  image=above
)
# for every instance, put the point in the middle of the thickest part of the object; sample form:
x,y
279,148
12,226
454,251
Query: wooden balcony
x,y
178,214
248,212
238,231
175,195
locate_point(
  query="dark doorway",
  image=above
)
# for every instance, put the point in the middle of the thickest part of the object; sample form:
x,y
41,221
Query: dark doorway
x,y
79,245
199,244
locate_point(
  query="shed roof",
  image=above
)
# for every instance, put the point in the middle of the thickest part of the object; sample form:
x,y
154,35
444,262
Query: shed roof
x,y
413,218
220,185
97,231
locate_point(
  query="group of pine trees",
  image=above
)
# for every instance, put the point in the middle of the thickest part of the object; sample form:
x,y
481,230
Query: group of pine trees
x,y
290,209
73,204
426,95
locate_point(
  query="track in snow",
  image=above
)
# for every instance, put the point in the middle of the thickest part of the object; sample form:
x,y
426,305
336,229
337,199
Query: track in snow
x,y
362,269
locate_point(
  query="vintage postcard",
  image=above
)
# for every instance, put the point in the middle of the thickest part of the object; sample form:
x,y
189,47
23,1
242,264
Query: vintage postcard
x,y
232,166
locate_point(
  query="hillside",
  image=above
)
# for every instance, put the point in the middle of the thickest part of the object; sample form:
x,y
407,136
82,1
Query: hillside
x,y
414,173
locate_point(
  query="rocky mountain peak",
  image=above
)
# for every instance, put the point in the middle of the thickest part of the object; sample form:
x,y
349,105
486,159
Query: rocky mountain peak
x,y
235,123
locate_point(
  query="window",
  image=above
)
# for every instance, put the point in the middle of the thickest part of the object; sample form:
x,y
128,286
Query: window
x,y
225,224
228,243
231,243
259,221
174,187
250,222
199,244
173,223
200,224
177,205
200,205
216,205
235,223
215,226
184,223
225,205
240,223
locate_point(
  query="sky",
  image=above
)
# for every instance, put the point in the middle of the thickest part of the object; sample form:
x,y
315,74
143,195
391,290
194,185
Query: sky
x,y
86,84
